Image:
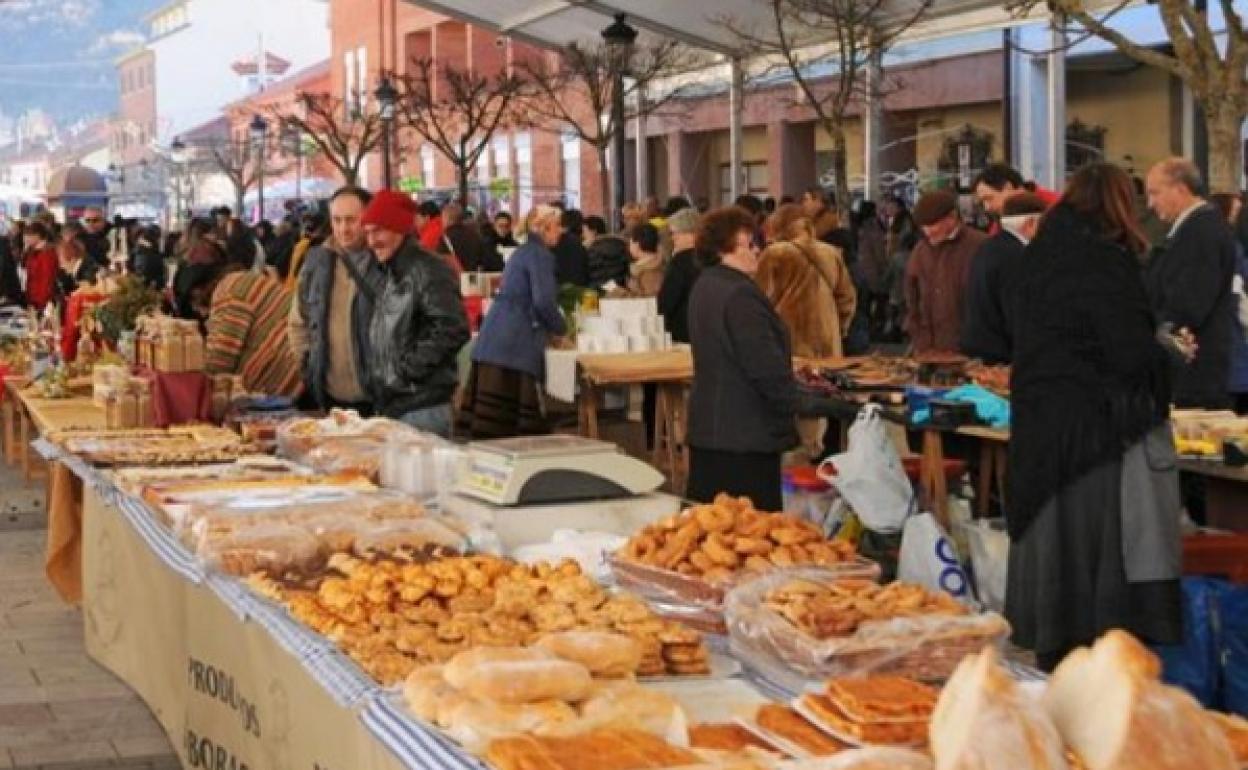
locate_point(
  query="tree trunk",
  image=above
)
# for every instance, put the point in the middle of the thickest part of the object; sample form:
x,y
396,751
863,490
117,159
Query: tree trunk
x,y
240,192
1225,122
350,175
462,172
840,164
610,211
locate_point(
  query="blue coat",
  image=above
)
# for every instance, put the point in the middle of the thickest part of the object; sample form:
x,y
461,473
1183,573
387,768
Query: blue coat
x,y
524,314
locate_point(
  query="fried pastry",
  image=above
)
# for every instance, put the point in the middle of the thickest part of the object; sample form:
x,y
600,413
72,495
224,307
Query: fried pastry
x,y
882,698
783,722
874,733
725,737
594,750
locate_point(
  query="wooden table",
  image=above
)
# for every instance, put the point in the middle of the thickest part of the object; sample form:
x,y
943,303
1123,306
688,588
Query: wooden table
x,y
671,371
1226,493
37,416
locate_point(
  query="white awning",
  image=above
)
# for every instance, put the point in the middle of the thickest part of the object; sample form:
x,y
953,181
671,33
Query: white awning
x,y
555,23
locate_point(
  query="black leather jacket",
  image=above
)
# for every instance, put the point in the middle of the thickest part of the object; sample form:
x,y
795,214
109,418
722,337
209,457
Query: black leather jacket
x,y
417,329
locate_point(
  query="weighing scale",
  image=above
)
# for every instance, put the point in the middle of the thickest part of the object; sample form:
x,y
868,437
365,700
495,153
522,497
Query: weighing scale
x,y
552,469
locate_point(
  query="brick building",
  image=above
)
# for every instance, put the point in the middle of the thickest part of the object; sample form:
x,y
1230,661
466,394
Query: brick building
x,y
538,164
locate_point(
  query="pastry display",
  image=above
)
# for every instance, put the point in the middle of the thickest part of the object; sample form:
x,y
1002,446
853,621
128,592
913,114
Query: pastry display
x,y
345,442
791,727
595,750
718,541
392,617
143,446
1112,710
984,719
814,623
604,654
1236,730
839,608
254,468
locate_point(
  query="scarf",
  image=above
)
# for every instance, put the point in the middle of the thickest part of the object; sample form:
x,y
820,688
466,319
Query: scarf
x,y
1089,378
649,263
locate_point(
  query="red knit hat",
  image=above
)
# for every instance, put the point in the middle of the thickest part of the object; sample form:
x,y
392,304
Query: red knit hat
x,y
392,210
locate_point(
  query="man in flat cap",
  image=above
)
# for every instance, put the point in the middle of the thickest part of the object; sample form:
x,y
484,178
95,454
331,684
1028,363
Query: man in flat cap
x,y
937,274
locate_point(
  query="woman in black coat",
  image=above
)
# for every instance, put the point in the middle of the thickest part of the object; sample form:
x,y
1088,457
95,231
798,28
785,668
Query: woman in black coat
x,y
744,395
1093,505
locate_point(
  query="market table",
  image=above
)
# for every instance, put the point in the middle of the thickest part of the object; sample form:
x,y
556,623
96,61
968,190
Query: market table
x,y
1226,493
670,371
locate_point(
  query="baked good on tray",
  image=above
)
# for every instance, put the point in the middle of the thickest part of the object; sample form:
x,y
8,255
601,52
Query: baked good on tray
x,y
785,723
717,541
882,698
827,713
838,608
1111,708
594,750
725,737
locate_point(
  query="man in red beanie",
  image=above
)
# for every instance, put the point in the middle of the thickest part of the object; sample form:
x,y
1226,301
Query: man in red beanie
x,y
418,323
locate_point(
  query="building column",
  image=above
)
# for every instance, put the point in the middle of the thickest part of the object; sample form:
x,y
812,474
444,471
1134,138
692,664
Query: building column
x,y
1055,177
873,125
642,151
736,128
790,158
1029,133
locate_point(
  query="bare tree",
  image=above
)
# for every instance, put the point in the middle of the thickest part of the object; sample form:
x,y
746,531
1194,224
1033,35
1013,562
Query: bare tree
x,y
344,134
239,162
1217,75
576,88
826,47
458,110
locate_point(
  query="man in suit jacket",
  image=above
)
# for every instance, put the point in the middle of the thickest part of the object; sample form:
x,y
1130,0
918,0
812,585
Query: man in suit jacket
x,y
1189,281
986,327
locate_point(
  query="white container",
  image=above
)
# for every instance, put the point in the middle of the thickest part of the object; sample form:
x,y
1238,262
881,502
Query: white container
x,y
640,343
633,325
615,345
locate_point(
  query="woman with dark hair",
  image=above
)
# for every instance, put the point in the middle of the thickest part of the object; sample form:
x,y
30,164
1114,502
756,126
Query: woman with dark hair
x,y
73,265
1093,491
39,260
147,261
744,395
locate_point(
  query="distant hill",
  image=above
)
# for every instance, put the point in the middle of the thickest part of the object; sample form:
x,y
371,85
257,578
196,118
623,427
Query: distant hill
x,y
58,54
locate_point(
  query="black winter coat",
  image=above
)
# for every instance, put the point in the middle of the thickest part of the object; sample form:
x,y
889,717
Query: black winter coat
x,y
10,286
316,287
674,295
608,261
744,396
1189,285
571,261
416,332
470,249
985,328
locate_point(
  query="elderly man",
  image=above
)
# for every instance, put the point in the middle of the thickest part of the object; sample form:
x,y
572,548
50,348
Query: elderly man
x,y
1189,282
938,273
418,325
329,315
986,328
94,236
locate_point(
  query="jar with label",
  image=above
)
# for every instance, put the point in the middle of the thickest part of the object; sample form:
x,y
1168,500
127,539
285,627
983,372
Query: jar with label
x,y
192,351
128,409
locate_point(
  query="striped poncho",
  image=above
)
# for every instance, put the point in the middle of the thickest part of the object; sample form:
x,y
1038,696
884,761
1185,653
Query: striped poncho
x,y
247,334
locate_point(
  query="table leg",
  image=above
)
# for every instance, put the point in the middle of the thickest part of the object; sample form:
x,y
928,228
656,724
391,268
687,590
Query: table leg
x,y
987,473
589,410
24,446
10,429
1001,455
660,454
932,476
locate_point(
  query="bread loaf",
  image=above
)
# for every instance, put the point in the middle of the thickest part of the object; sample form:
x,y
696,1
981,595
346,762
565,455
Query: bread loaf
x,y
627,705
528,681
982,720
460,667
1112,711
475,723
605,654
424,690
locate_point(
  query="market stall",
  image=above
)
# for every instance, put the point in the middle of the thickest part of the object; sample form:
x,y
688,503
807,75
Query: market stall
x,y
291,613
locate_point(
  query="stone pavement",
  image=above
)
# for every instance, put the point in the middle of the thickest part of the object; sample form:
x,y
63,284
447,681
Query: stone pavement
x,y
58,709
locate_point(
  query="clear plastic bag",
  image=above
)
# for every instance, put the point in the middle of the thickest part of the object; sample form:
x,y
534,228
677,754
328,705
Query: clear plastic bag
x,y
694,601
924,647
343,441
274,548
405,538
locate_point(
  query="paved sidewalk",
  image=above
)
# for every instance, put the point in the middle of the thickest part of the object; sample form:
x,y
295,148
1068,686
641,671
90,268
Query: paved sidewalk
x,y
58,709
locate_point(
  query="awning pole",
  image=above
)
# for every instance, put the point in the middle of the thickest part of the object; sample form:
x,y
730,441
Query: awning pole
x,y
873,124
1056,107
736,137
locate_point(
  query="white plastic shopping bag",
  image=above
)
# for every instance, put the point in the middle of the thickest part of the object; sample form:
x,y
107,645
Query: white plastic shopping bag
x,y
929,558
869,475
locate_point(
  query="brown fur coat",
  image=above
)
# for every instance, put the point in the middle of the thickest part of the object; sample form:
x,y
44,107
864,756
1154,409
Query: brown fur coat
x,y
816,311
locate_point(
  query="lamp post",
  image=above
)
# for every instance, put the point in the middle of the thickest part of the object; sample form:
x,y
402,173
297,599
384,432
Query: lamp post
x,y
386,96
259,127
177,153
619,38
292,141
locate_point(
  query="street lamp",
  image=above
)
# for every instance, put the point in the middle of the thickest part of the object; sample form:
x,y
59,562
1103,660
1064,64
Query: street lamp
x,y
619,38
259,127
386,96
177,153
